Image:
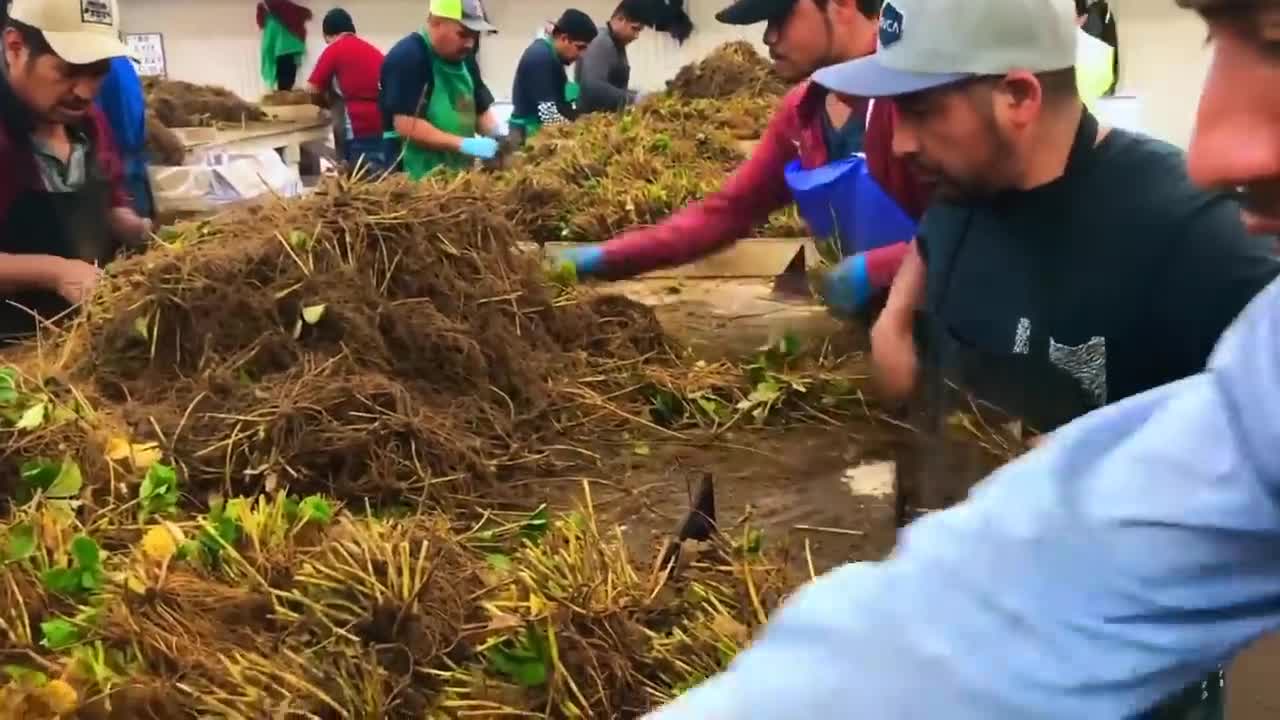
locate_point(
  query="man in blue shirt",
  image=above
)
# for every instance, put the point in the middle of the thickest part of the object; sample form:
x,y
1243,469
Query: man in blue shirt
x,y
122,101
541,93
1131,553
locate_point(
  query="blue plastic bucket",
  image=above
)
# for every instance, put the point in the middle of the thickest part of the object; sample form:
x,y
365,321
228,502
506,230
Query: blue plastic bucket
x,y
841,201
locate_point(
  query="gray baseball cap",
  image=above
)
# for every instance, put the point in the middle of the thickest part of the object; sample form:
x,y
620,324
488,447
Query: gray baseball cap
x,y
925,44
468,12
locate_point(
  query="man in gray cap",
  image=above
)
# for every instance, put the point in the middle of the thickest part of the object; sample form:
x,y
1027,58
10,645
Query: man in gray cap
x,y
1104,570
433,98
1063,266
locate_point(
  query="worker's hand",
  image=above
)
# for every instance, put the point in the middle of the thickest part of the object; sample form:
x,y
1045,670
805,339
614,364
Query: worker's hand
x,y
586,260
74,280
846,287
893,355
133,230
479,147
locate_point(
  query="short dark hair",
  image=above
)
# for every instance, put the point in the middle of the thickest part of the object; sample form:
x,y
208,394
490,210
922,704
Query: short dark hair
x,y
1082,7
576,25
336,22
640,11
1059,85
32,37
869,8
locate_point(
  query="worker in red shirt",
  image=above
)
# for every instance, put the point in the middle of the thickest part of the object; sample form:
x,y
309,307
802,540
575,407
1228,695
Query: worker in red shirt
x,y
64,212
346,79
830,155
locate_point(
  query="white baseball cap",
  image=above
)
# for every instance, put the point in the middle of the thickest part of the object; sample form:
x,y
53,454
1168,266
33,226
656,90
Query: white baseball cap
x,y
925,44
79,31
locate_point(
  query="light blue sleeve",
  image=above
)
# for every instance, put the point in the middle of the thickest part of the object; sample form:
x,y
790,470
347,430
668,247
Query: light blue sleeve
x,y
1139,548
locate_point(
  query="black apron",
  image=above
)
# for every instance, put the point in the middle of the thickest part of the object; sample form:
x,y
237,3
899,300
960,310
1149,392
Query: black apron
x,y
66,224
938,468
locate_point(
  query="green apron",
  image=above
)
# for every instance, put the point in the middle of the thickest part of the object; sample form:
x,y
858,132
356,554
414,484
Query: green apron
x,y
531,125
277,41
451,108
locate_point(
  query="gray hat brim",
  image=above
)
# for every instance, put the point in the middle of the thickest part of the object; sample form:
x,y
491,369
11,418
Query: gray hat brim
x,y
479,25
867,77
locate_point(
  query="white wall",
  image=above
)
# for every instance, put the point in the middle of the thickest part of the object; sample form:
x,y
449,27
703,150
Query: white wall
x,y
216,41
1164,60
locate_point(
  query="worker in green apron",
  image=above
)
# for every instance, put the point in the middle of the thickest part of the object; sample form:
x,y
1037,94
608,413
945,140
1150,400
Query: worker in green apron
x,y
542,93
284,41
435,105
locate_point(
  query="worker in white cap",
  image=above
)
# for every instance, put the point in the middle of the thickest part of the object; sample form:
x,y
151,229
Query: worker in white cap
x,y
64,211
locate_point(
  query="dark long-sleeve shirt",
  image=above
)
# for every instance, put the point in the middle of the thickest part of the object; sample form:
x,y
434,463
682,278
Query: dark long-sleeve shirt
x,y
538,90
603,73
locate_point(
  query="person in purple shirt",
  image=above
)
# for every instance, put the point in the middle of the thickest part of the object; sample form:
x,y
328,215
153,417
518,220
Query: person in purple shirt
x,y
1135,550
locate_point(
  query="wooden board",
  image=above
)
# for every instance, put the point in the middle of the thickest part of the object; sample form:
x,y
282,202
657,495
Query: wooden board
x,y
752,258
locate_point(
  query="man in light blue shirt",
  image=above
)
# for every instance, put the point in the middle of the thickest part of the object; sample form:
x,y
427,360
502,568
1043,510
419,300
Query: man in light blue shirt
x,y
1137,549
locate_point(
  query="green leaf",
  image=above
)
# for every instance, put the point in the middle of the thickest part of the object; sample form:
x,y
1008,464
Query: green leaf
x,y
299,240
312,314
59,634
527,661
8,386
21,544
142,326
159,479
159,490
63,581
86,553
641,449
32,417
536,525
68,482
498,561
40,474
26,676
315,509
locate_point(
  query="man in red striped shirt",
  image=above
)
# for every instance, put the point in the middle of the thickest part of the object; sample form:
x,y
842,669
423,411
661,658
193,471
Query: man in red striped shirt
x,y
825,152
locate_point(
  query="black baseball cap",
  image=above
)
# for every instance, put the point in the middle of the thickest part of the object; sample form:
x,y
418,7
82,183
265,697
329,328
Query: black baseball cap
x,y
577,26
750,12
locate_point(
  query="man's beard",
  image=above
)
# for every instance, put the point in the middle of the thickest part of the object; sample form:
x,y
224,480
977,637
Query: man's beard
x,y
988,181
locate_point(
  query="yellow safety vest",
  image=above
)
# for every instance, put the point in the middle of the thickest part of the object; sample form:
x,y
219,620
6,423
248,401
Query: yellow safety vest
x,y
1095,67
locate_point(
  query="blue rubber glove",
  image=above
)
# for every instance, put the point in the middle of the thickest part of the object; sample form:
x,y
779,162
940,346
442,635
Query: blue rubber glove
x,y
587,260
847,286
479,147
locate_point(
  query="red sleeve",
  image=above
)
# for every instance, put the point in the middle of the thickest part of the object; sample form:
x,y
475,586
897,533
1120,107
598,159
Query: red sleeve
x,y
883,263
756,188
893,174
326,66
109,160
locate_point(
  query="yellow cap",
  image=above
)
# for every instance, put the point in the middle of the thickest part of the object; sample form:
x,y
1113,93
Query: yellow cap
x,y
79,31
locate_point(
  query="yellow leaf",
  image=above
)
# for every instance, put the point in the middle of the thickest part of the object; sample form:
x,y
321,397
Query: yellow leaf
x,y
136,584
59,696
312,313
118,448
158,544
142,455
145,455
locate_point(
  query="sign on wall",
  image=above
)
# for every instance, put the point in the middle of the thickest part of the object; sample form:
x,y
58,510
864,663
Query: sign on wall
x,y
148,49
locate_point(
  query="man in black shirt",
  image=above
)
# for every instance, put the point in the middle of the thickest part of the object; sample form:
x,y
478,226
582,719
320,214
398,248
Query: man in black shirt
x,y
1063,265
540,90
